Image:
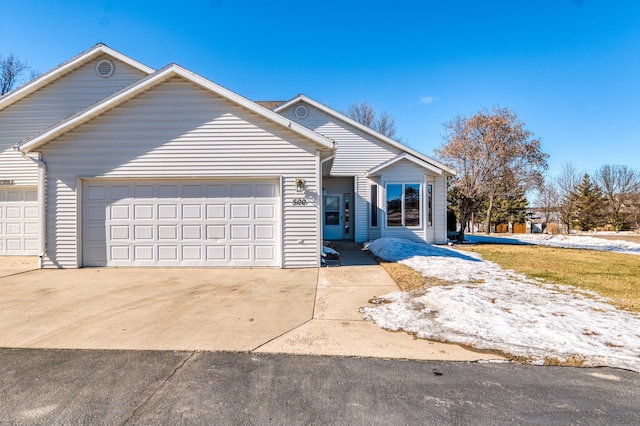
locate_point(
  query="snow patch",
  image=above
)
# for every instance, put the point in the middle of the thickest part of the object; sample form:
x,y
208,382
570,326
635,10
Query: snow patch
x,y
487,307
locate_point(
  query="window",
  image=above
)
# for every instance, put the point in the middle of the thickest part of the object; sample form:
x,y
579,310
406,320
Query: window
x,y
403,204
430,205
374,205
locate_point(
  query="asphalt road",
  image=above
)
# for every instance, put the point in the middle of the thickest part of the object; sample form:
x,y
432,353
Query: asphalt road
x,y
153,387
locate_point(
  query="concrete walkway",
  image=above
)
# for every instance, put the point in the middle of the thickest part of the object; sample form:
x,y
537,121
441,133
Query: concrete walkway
x,y
297,311
337,327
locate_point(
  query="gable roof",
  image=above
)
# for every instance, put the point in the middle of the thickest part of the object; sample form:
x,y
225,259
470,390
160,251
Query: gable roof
x,y
155,79
65,68
407,157
302,98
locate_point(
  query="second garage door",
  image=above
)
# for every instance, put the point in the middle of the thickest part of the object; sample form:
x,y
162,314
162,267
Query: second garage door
x,y
18,221
181,223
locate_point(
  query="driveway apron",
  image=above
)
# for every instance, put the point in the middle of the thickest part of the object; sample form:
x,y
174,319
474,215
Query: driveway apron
x,y
174,309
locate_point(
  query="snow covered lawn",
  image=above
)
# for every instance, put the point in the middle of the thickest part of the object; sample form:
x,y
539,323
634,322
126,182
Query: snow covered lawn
x,y
563,241
486,307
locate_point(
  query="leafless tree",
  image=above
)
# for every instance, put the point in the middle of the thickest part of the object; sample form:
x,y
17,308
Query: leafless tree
x,y
618,184
365,114
11,69
547,201
566,183
494,156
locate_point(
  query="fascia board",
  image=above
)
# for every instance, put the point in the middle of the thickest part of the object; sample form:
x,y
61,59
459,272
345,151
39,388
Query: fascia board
x,y
65,68
389,163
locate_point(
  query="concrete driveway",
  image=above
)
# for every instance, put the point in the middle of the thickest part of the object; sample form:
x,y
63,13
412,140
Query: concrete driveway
x,y
11,265
176,309
262,310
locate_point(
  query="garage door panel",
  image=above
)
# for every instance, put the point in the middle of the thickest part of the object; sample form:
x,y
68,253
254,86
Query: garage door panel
x,y
182,224
119,213
143,253
265,232
240,211
191,232
143,211
216,232
191,211
240,232
168,252
167,212
217,253
167,232
216,211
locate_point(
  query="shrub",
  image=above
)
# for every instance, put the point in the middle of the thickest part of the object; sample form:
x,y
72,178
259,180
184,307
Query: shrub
x,y
553,228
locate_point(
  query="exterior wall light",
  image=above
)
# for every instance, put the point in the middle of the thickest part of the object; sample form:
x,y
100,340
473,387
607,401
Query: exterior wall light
x,y
299,185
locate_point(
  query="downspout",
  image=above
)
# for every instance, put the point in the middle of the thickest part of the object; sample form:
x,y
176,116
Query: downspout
x,y
42,223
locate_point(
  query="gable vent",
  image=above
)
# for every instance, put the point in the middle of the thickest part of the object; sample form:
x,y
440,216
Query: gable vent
x,y
105,68
301,111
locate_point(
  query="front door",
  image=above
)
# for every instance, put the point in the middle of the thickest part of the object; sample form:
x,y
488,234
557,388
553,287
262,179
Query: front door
x,y
333,221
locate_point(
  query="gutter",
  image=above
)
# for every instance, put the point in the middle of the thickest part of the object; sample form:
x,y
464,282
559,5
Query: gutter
x,y
42,223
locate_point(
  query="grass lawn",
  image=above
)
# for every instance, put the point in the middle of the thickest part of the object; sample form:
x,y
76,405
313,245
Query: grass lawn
x,y
612,275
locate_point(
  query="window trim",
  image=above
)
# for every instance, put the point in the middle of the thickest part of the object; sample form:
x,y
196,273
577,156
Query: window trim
x,y
421,201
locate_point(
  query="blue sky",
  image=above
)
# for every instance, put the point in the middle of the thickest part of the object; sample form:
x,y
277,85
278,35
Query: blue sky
x,y
569,68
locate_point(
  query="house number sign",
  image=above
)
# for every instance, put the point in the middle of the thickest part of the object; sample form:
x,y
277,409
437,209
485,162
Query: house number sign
x,y
299,202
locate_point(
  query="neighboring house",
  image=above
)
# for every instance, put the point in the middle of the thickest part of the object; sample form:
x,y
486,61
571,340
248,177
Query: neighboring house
x,y
166,168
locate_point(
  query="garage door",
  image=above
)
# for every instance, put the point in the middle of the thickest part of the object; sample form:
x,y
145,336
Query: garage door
x,y
181,223
18,221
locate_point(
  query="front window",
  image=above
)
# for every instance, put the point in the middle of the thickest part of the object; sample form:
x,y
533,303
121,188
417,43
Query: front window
x,y
403,204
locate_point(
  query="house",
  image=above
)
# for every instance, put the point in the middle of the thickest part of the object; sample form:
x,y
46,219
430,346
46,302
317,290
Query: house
x,y
107,162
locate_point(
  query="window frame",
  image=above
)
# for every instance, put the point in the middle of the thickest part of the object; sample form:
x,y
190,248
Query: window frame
x,y
421,206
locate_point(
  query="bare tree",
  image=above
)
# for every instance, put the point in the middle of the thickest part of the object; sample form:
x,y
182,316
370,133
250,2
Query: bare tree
x,y
618,184
365,114
494,156
566,184
11,68
547,201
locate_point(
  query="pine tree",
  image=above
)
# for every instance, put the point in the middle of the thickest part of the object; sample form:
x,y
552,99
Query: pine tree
x,y
587,202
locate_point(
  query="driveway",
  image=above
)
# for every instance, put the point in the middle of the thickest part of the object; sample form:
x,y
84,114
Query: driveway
x,y
176,309
262,310
11,265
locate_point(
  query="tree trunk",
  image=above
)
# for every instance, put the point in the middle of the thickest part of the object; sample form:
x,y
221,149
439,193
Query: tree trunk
x,y
488,221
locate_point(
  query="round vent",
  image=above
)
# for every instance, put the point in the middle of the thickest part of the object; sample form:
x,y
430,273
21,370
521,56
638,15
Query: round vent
x,y
105,68
301,111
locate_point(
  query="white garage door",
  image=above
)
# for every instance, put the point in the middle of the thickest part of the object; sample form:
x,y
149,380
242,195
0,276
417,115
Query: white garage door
x,y
18,221
181,223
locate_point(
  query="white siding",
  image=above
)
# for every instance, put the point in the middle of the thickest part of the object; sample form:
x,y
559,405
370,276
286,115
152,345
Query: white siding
x,y
178,130
52,103
357,152
362,207
440,210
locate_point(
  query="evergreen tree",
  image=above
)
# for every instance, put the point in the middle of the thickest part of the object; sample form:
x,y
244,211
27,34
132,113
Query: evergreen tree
x,y
587,202
511,208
